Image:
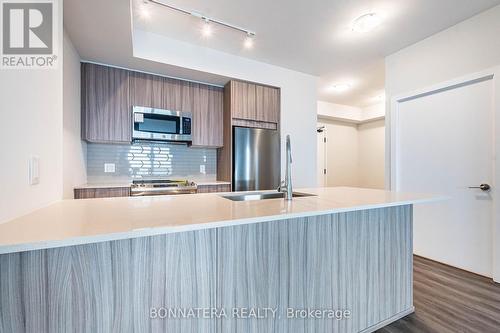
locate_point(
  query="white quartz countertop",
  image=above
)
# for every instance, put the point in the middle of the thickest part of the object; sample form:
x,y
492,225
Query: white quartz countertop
x,y
73,222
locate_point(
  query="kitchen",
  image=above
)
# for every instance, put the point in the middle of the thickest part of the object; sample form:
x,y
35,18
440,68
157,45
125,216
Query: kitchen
x,y
170,162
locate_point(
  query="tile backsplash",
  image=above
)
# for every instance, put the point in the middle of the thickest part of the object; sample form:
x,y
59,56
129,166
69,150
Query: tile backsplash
x,y
149,160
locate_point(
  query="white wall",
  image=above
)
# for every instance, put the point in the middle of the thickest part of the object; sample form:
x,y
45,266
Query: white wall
x,y
74,149
371,154
298,91
468,47
355,153
356,144
375,111
335,111
31,124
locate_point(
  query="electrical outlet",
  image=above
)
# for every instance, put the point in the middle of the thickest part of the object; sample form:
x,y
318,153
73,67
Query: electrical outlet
x,y
202,168
109,167
34,170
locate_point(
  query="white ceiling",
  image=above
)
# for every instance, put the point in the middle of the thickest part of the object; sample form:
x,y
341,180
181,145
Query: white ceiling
x,y
312,36
315,36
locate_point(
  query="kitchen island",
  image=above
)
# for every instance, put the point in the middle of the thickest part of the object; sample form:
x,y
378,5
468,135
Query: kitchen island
x,y
338,261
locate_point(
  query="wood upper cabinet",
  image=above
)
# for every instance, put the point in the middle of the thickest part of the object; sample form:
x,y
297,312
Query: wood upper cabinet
x,y
147,90
254,102
267,104
108,95
106,108
207,116
173,94
243,100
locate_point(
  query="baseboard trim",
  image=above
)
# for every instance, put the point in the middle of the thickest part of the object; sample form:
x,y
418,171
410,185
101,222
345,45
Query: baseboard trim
x,y
389,320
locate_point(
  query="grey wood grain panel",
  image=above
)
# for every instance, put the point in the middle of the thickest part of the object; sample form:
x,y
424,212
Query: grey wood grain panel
x,y
106,108
207,117
89,193
325,262
242,100
267,104
224,154
358,261
147,90
172,94
214,188
109,286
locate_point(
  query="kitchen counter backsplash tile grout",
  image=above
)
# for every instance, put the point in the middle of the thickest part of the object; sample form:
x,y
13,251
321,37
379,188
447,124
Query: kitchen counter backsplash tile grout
x,y
149,160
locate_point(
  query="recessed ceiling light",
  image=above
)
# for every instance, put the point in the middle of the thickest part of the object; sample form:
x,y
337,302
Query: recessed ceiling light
x,y
366,23
341,87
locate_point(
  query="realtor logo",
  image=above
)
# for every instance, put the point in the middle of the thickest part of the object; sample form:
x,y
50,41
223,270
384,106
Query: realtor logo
x,y
27,34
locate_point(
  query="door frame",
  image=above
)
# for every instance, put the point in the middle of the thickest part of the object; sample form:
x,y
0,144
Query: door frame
x,y
325,153
492,74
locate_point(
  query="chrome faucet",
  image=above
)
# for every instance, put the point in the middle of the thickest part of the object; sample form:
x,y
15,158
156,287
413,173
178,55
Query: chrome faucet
x,y
286,185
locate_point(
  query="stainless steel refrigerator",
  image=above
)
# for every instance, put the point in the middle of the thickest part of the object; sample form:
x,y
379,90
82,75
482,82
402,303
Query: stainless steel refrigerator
x,y
256,159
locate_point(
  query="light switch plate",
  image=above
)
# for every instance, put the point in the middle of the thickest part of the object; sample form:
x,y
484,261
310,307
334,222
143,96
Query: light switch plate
x,y
109,167
34,170
202,168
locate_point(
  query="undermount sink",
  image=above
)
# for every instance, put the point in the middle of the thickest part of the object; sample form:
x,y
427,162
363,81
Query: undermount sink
x,y
248,196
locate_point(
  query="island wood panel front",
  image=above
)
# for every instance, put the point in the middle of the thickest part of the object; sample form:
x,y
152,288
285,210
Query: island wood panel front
x,y
358,261
106,106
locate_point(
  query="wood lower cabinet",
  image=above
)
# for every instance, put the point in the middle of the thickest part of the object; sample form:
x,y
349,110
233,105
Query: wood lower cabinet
x,y
106,109
214,188
111,192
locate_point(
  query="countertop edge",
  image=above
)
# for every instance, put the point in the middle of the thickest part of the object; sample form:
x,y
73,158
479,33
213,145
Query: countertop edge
x,y
146,232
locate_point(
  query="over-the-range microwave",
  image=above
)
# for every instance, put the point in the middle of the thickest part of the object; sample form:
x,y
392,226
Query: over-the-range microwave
x,y
162,125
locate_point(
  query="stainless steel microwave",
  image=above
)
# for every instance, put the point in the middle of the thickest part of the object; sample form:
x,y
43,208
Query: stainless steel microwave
x,y
162,125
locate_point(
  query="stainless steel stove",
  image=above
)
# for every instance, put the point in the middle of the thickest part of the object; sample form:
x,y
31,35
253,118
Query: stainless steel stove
x,y
161,187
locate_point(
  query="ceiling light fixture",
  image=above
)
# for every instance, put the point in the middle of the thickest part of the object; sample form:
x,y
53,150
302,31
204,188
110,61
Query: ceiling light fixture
x,y
144,11
366,23
248,43
340,87
207,28
209,20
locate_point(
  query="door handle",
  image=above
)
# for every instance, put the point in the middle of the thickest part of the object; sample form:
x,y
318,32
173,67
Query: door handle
x,y
482,187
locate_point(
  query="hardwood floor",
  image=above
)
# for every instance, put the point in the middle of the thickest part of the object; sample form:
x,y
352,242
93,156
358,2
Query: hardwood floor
x,y
447,299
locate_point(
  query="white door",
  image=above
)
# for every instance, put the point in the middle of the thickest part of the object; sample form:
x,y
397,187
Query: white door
x,y
445,145
321,147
